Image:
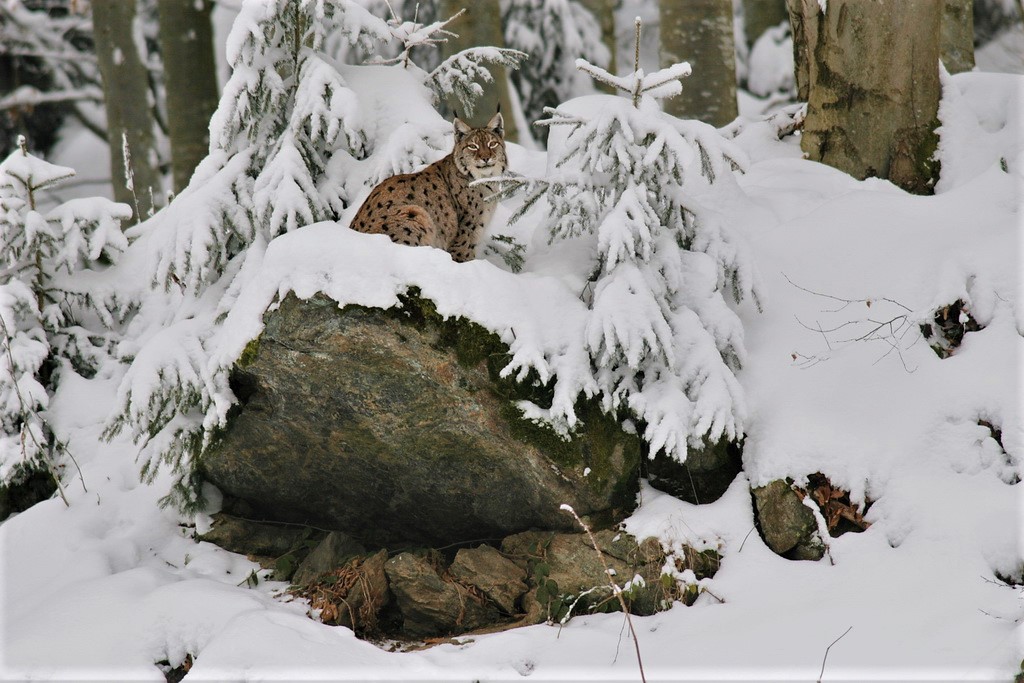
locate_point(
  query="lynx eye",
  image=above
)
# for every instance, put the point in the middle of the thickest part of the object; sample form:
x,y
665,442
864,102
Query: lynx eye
x,y
492,144
472,147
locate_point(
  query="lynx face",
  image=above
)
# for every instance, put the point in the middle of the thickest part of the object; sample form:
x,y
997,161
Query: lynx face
x,y
480,152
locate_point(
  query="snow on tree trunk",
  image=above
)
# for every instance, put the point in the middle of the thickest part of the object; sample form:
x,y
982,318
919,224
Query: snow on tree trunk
x,y
481,26
190,74
761,15
126,91
958,35
700,32
869,116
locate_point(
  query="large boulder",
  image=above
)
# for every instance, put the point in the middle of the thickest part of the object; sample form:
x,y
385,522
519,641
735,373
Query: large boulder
x,y
395,427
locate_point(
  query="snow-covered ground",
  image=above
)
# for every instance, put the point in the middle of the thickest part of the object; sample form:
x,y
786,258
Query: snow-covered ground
x,y
107,587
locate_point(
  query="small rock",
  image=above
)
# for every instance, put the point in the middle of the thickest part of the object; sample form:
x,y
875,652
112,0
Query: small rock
x,y
564,566
703,478
500,579
787,525
253,538
332,553
430,605
352,595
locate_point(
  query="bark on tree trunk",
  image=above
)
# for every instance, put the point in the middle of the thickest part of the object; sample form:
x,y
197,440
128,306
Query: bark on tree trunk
x,y
761,15
958,35
700,32
604,12
873,88
801,56
190,75
481,26
126,90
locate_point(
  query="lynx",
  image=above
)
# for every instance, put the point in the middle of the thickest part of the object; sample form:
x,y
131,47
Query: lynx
x,y
437,206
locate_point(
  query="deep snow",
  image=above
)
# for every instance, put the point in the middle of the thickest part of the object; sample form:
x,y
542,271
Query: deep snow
x,y
104,589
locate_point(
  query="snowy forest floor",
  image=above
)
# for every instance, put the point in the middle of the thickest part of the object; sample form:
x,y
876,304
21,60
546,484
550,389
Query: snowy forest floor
x,y
839,380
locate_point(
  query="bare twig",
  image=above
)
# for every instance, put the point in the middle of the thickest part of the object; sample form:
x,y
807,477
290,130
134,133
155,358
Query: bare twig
x,y
614,586
891,332
744,542
822,673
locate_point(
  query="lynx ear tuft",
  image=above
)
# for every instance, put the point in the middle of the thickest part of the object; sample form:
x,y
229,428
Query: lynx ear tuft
x,y
496,125
461,129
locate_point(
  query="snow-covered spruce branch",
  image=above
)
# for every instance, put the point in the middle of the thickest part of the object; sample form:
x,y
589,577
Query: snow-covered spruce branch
x,y
23,441
412,35
27,97
457,76
616,589
52,40
553,33
661,84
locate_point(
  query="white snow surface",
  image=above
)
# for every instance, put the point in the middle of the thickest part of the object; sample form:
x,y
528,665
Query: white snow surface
x,y
107,587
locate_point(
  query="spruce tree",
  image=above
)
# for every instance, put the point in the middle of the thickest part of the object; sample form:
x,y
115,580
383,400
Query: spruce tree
x,y
663,343
51,321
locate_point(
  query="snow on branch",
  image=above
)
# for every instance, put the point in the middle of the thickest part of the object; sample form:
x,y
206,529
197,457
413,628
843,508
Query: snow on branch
x,y
412,35
661,84
27,97
457,76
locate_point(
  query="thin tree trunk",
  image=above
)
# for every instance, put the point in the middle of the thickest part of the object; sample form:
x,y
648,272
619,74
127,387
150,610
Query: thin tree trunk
x,y
761,15
871,116
958,35
700,32
126,90
190,75
801,57
604,12
481,26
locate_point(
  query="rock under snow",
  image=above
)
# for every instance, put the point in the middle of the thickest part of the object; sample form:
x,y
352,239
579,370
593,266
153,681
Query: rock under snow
x,y
394,426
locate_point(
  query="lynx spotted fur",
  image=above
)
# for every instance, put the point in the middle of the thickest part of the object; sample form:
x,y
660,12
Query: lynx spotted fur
x,y
436,206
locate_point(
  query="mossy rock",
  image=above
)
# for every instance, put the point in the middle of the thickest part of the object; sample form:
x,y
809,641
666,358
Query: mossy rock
x,y
787,525
393,425
705,475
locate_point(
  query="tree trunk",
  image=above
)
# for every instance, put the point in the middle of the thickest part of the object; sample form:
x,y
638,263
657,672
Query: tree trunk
x,y
958,35
190,75
604,12
800,54
873,83
700,32
126,90
761,15
480,26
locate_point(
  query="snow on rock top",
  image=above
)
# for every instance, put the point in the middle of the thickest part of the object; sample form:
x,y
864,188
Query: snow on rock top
x,y
540,318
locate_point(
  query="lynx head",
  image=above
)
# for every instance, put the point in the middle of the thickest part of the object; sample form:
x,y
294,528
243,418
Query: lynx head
x,y
480,152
